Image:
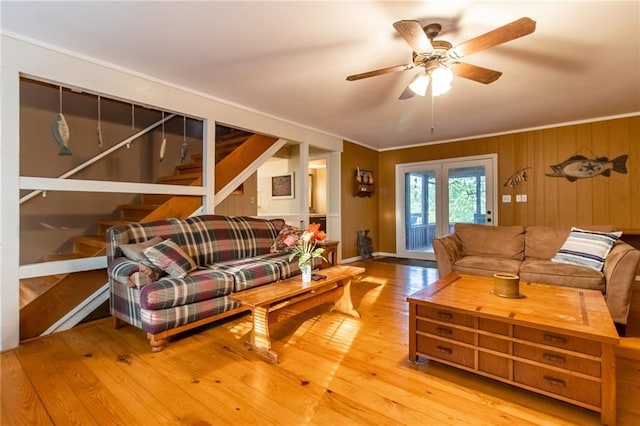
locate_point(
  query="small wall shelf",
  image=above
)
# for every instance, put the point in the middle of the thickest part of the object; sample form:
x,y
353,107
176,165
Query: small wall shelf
x,y
363,183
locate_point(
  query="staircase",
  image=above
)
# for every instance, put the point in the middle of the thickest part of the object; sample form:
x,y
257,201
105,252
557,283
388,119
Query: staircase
x,y
44,300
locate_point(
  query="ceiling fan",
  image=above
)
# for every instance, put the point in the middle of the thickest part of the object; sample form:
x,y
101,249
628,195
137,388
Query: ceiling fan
x,y
441,60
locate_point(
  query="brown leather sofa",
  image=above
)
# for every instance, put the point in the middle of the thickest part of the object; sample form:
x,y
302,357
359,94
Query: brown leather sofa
x,y
527,252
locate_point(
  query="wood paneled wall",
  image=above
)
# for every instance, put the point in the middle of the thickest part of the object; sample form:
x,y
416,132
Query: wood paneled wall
x,y
358,213
611,200
241,203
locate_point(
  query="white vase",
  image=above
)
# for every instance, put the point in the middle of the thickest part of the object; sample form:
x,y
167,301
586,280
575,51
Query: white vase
x,y
306,273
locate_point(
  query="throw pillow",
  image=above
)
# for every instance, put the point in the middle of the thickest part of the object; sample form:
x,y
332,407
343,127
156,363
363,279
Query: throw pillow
x,y
134,251
287,231
586,248
169,257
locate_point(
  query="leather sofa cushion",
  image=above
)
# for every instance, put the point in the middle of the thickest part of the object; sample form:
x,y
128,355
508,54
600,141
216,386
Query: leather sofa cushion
x,y
506,242
548,272
486,266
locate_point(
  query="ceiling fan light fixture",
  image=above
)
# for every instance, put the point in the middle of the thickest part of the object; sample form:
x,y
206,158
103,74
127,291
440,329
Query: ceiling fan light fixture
x,y
441,80
419,84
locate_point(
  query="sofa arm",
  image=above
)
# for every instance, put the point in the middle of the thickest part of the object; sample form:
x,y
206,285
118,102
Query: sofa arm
x,y
448,249
131,273
620,268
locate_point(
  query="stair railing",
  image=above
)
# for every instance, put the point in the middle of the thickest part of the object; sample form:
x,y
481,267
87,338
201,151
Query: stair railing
x,y
100,156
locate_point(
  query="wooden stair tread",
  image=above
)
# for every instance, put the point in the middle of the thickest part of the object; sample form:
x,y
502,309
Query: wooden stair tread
x,y
232,138
181,176
63,256
140,206
31,288
114,222
94,240
189,168
155,198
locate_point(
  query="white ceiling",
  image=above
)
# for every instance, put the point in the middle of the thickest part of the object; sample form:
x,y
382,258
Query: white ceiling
x,y
290,59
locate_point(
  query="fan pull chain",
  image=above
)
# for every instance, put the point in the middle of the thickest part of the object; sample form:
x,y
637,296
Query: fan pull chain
x,y
433,101
60,95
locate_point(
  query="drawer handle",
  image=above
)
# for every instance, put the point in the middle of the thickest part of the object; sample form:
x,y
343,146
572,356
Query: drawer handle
x,y
444,315
445,331
554,358
555,382
444,350
555,339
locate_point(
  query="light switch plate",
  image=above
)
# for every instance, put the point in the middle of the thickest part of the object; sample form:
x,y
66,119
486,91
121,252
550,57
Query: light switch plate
x,y
518,198
506,198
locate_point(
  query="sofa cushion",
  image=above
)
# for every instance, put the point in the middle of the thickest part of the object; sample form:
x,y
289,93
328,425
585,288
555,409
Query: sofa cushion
x,y
199,285
287,268
159,320
169,257
548,272
543,242
217,238
586,248
505,242
486,266
249,272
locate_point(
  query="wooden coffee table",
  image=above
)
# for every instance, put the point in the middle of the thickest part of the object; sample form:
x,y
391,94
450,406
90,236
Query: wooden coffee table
x,y
557,341
271,303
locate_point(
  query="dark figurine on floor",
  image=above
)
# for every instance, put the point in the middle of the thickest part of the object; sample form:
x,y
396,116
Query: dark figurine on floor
x,y
365,244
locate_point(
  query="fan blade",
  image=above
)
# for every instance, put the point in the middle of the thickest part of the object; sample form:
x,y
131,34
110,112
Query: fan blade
x,y
475,73
380,72
407,94
413,33
516,29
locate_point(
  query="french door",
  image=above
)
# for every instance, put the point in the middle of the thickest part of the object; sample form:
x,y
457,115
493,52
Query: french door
x,y
432,196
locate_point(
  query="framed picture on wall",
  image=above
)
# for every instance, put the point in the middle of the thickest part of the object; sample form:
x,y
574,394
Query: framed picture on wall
x,y
282,186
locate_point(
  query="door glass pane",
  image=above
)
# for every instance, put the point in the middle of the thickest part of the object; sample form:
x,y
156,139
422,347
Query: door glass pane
x,y
420,210
467,195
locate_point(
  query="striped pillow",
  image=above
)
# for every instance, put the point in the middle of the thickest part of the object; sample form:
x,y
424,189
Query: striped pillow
x,y
586,248
169,257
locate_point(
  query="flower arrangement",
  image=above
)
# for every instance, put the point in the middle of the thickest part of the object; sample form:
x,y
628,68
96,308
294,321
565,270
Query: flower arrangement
x,y
304,246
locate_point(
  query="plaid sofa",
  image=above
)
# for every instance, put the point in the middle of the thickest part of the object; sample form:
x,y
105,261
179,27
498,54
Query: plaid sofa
x,y
230,254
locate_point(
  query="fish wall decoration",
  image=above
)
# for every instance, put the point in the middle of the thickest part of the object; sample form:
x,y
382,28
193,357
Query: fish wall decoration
x,y
60,133
517,178
581,167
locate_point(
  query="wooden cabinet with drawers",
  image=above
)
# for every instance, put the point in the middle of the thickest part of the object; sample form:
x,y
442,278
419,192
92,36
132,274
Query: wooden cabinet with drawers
x,y
565,351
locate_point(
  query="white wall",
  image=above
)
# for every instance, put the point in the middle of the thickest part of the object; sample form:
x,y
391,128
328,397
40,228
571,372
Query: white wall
x,y
277,206
72,70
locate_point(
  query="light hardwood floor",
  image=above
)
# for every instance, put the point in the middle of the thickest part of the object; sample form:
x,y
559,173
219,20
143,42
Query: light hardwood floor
x,y
333,370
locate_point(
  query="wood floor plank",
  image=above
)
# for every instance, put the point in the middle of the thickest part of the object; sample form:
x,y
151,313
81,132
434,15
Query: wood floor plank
x,y
51,377
132,357
333,370
20,403
133,403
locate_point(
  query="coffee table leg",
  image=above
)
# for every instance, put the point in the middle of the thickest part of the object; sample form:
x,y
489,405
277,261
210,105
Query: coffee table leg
x,y
260,341
344,304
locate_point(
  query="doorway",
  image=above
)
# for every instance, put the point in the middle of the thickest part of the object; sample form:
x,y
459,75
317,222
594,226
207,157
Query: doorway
x,y
432,196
